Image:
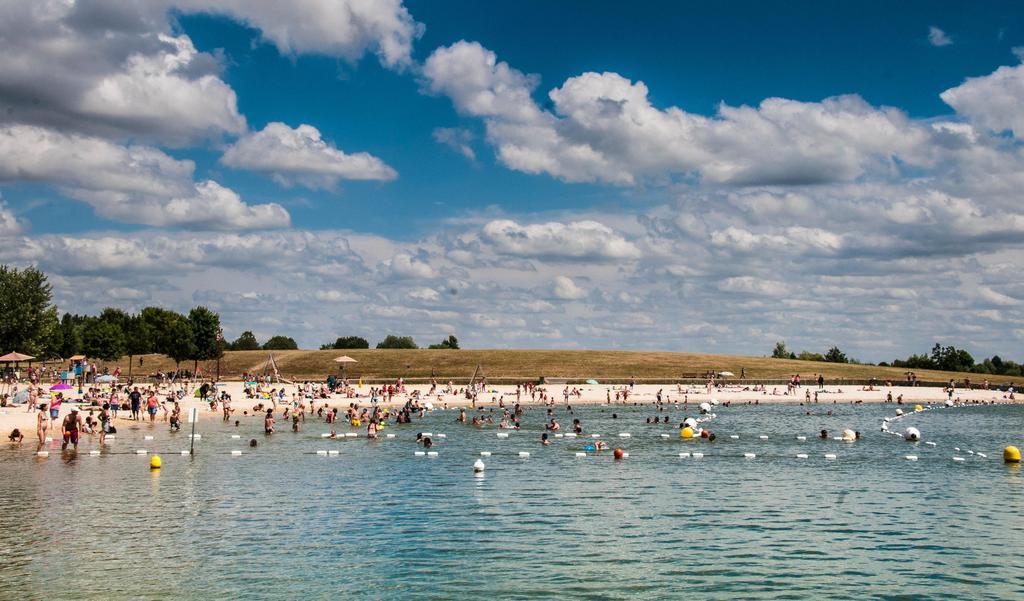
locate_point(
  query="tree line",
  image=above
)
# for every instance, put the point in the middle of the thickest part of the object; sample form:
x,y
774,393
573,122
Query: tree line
x,y
942,358
389,342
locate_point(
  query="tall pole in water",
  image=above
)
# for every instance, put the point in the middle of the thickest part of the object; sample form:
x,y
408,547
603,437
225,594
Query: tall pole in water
x,y
193,415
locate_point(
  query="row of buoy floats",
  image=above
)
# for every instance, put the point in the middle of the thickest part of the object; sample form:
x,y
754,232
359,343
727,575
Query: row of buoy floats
x,y
1011,454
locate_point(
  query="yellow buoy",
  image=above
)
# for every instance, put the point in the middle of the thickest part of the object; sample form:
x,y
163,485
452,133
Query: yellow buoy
x,y
1011,454
918,408
686,432
154,462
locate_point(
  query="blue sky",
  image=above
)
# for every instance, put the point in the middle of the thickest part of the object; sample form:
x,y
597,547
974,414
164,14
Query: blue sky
x,y
439,188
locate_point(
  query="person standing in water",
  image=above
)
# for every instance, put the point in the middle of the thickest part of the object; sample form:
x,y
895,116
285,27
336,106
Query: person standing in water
x,y
268,422
42,423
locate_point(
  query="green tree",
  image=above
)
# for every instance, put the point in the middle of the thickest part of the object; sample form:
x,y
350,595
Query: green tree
x,y
159,323
809,356
345,342
138,339
834,355
280,343
397,342
70,335
176,339
246,342
27,316
206,335
780,351
102,339
450,342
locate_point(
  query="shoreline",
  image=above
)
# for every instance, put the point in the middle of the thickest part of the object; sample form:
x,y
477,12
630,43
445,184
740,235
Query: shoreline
x,y
16,416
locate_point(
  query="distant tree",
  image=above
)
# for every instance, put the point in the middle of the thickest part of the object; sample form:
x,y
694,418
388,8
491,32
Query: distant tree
x,y
102,339
27,316
834,355
397,342
450,342
70,342
347,342
160,323
246,342
780,351
178,342
280,343
206,335
138,339
950,358
809,356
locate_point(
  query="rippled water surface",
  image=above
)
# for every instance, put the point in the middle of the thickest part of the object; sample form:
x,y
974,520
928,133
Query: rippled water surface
x,y
375,521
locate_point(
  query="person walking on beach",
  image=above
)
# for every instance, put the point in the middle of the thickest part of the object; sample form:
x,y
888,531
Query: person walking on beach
x,y
136,402
152,404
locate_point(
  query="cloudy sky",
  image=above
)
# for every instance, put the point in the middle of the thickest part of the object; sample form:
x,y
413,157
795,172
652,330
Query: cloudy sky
x,y
527,174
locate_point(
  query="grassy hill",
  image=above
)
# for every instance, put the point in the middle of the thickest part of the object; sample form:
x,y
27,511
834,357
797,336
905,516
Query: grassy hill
x,y
518,365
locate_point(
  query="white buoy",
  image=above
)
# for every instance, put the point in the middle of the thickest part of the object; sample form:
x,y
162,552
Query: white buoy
x,y
704,408
698,455
734,436
763,437
183,453
959,459
141,451
94,453
982,455
322,453
389,435
42,453
912,434
581,454
485,453
559,435
442,436
147,437
624,434
570,435
110,436
478,466
426,434
595,436
195,436
351,434
419,454
930,443
830,456
236,436
690,423
624,455
665,436
431,453
324,435
684,455
524,453
957,449
502,434
750,455
801,455
801,438
911,457
238,453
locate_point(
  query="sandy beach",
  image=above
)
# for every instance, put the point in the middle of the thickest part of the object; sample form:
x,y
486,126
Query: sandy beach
x,y
17,416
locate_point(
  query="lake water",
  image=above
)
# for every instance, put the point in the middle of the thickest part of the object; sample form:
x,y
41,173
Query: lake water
x,y
375,521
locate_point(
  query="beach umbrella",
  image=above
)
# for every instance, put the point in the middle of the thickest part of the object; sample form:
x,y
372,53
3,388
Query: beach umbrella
x,y
15,358
60,387
343,360
106,379
21,397
592,382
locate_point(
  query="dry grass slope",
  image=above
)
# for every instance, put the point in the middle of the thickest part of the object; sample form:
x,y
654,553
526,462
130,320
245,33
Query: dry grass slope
x,y
531,364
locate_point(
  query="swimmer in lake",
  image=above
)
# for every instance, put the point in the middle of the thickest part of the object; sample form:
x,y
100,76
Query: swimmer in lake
x,y
823,435
544,439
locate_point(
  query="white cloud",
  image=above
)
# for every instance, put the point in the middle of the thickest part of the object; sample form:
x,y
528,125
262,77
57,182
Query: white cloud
x,y
565,288
937,37
425,294
753,285
577,240
993,101
133,184
604,128
457,139
344,28
300,157
407,266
